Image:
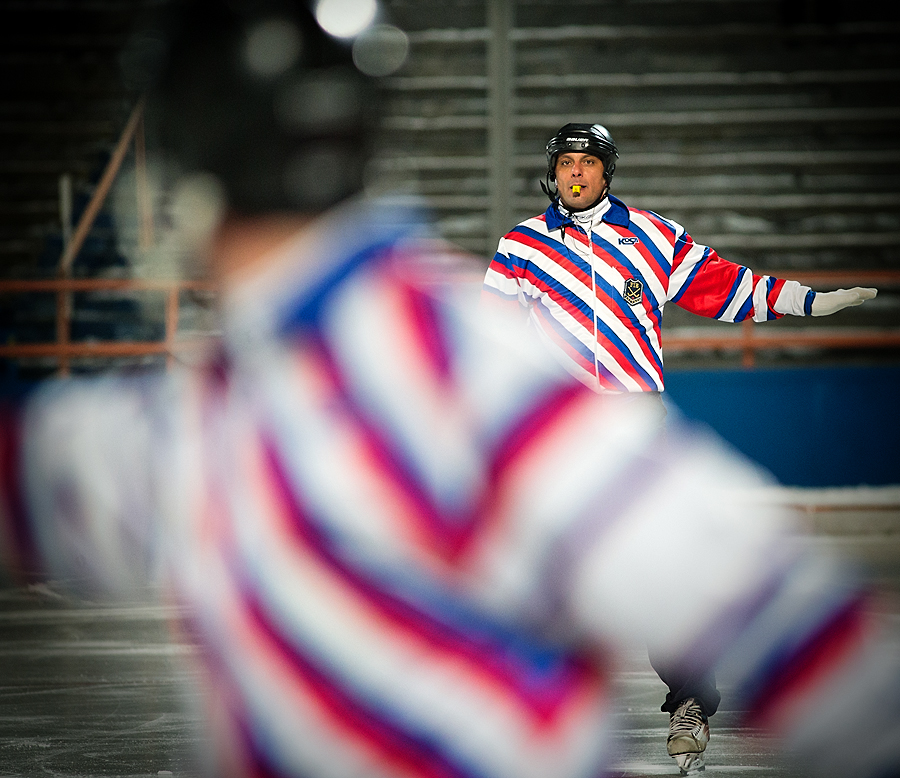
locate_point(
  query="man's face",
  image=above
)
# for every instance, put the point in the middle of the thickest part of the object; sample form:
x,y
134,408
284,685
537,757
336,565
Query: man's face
x,y
579,178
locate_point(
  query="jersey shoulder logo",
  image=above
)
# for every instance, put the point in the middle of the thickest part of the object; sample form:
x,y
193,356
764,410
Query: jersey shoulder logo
x,y
628,241
634,291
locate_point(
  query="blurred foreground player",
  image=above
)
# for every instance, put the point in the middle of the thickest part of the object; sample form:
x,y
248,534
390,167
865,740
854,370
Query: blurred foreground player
x,y
403,548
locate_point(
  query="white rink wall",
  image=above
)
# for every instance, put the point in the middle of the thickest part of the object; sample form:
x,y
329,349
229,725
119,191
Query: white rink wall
x,y
861,522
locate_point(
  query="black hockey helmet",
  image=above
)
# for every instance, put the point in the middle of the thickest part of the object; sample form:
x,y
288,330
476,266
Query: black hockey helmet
x,y
584,139
263,96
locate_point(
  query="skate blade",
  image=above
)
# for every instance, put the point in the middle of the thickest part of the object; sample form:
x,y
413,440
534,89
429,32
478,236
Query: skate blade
x,y
690,764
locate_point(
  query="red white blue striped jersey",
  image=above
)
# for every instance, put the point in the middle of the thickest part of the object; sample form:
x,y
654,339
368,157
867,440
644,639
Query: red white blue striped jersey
x,y
405,550
595,285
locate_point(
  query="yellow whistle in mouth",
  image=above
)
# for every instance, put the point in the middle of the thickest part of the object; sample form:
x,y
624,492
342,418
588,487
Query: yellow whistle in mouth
x,y
576,189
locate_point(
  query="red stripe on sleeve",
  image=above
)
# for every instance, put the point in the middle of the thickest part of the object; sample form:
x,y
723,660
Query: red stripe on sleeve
x,y
772,297
708,291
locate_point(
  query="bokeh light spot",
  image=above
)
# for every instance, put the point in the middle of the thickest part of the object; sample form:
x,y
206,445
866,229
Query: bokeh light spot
x,y
345,18
272,47
380,50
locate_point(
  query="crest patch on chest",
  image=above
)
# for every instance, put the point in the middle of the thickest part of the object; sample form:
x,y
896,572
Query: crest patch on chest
x,y
634,291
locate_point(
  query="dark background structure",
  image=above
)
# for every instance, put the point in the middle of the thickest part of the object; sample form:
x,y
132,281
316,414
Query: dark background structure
x,y
768,128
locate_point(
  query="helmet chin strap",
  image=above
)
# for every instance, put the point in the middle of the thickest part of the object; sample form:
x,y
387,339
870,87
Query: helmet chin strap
x,y
545,186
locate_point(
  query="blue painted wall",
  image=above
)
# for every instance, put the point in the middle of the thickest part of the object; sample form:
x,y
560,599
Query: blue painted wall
x,y
809,427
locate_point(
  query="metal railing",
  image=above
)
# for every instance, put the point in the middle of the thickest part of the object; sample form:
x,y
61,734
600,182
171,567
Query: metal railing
x,y
748,339
63,349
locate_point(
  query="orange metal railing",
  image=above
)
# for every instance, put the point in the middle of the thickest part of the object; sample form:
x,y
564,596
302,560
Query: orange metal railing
x,y
748,338
63,349
134,131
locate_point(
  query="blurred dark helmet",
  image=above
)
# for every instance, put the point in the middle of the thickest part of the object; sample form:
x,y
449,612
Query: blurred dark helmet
x,y
258,94
584,139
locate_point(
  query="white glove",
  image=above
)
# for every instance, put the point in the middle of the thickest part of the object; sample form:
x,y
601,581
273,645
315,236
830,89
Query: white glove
x,y
826,303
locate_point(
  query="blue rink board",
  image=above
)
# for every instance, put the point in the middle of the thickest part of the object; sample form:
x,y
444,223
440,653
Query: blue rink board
x,y
809,427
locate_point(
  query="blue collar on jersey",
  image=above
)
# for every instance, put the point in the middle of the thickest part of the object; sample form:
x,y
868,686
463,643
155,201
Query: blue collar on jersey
x,y
617,214
360,235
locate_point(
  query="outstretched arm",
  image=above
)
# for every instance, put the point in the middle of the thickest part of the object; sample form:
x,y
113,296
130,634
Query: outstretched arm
x,y
704,283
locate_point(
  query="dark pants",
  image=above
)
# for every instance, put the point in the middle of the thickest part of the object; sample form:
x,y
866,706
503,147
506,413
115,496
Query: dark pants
x,y
682,683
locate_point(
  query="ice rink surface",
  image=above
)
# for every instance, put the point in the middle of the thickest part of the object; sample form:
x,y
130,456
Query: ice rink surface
x,y
93,690
96,690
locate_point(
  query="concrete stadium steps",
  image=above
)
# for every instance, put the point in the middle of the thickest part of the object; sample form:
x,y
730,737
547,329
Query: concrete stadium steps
x,y
708,100
768,129
417,15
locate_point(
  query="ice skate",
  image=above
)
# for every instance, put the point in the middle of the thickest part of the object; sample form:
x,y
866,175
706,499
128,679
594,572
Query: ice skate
x,y
688,736
690,764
